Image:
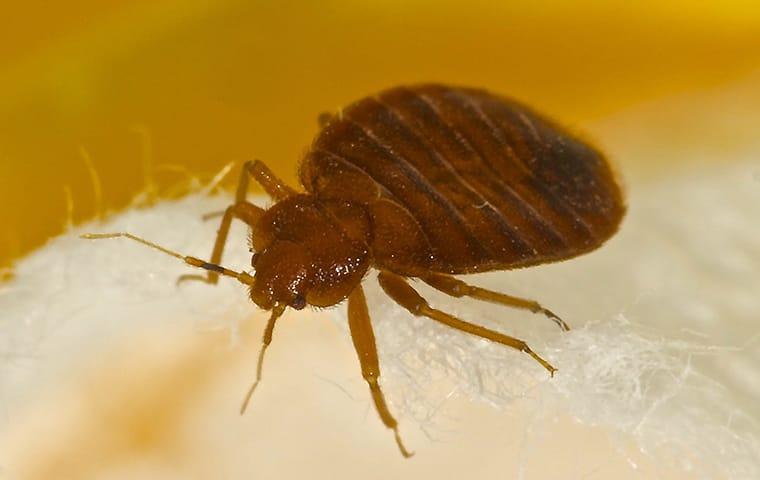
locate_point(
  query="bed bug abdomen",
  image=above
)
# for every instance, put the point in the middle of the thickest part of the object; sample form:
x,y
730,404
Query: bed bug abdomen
x,y
491,184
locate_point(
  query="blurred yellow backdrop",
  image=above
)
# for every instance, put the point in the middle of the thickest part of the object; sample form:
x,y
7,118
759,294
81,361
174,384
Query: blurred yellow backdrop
x,y
209,82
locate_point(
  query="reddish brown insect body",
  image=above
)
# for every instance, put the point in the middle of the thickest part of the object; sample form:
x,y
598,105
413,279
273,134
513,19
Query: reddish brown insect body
x,y
421,182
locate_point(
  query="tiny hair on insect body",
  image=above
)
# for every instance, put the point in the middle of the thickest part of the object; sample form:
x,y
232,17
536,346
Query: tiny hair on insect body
x,y
426,182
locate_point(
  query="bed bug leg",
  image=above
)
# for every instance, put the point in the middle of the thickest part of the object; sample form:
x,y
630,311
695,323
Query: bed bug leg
x,y
364,342
274,186
241,209
457,288
402,293
248,213
266,340
242,277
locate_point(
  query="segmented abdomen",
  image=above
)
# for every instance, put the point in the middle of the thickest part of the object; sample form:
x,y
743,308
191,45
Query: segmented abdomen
x,y
491,184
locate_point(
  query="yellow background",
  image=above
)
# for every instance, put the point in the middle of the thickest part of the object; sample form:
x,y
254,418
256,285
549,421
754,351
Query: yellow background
x,y
209,82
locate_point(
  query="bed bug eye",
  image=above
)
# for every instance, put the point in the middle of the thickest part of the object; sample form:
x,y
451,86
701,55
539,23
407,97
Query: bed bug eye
x,y
298,303
254,259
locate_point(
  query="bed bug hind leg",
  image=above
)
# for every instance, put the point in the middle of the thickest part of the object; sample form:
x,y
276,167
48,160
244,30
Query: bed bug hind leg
x,y
364,342
402,293
457,288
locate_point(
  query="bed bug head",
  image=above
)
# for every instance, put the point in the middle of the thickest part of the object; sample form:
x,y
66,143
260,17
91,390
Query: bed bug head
x,y
302,257
283,273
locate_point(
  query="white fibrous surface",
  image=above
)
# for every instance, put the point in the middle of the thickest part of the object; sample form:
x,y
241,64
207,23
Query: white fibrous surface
x,y
665,347
663,355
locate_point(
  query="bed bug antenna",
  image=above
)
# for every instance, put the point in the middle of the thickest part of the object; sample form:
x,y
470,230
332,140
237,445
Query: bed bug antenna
x,y
242,277
277,311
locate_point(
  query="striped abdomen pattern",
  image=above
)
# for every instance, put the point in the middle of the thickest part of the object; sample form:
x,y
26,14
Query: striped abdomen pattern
x,y
489,183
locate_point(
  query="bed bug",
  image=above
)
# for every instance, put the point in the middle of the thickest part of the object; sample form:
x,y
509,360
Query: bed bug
x,y
423,182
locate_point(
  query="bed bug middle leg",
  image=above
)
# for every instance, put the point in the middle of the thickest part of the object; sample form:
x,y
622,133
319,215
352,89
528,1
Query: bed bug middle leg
x,y
402,293
364,342
457,288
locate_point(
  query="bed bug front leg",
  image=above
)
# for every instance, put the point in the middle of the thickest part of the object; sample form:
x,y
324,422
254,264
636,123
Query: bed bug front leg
x,y
402,293
364,342
457,288
273,185
241,209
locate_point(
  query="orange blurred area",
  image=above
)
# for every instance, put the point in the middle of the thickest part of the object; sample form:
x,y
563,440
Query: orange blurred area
x,y
199,84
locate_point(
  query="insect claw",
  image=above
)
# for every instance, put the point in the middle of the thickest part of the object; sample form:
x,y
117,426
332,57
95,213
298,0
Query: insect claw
x,y
540,360
555,318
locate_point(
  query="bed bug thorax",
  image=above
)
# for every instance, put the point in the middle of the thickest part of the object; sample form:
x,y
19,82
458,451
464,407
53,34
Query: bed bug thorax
x,y
422,182
324,263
